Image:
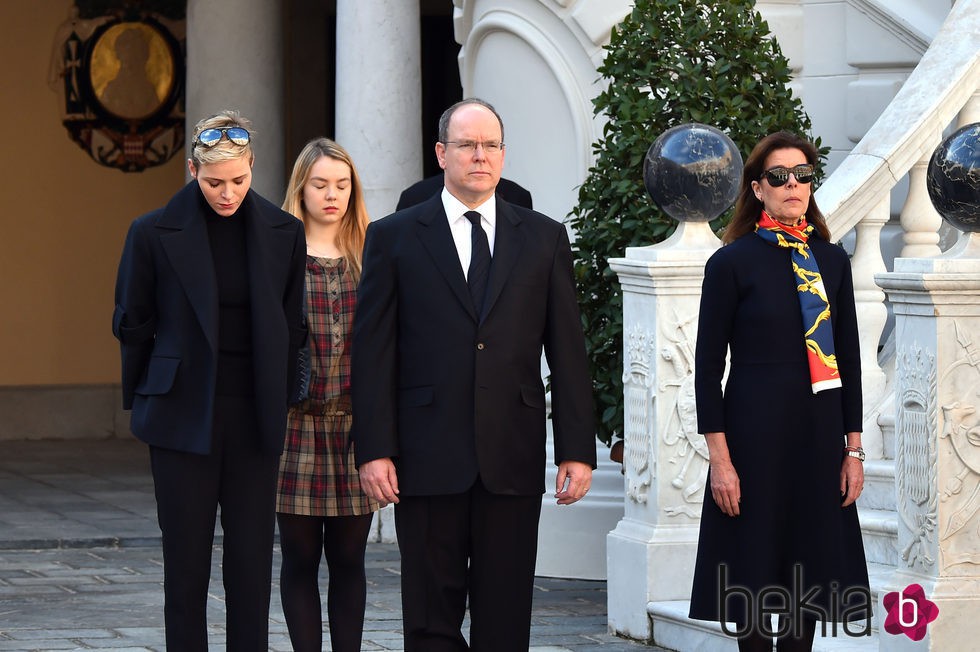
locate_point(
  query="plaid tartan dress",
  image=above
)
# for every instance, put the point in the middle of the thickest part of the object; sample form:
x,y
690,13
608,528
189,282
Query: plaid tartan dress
x,y
317,474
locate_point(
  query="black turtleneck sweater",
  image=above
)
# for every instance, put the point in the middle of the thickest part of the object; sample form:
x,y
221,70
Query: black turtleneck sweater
x,y
226,236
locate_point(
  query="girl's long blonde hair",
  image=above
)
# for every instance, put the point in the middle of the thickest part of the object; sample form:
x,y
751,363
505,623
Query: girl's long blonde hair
x,y
350,239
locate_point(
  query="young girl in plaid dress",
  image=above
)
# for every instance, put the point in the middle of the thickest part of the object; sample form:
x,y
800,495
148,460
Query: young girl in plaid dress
x,y
320,505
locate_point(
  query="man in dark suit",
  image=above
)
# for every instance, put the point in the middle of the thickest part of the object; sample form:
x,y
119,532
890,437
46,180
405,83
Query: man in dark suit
x,y
510,191
459,296
209,316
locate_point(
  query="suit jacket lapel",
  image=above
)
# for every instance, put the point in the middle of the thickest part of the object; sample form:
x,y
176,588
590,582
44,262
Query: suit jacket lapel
x,y
185,239
508,240
434,234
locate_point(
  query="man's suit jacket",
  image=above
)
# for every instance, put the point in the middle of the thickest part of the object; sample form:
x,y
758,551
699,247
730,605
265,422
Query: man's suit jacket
x,y
166,319
448,393
420,191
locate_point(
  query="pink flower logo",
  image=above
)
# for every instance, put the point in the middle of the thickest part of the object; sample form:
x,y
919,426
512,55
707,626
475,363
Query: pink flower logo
x,y
909,612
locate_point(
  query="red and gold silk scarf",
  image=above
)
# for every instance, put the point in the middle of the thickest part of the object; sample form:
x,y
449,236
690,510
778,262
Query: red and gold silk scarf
x,y
818,330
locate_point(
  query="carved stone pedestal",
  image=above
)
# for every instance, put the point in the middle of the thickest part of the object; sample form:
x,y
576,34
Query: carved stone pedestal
x,y
937,326
650,554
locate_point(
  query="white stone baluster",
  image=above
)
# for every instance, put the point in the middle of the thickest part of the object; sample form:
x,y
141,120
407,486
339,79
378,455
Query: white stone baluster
x,y
920,221
872,314
970,112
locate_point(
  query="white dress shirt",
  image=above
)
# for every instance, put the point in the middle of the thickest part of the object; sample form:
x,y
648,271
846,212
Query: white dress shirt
x,y
462,229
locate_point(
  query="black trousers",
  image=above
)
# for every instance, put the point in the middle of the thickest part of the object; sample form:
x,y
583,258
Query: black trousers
x,y
241,478
474,545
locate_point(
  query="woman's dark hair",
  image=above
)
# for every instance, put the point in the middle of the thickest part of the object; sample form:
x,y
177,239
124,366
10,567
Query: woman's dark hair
x,y
748,207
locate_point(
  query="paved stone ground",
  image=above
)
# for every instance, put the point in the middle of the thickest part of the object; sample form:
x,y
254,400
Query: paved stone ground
x,y
80,564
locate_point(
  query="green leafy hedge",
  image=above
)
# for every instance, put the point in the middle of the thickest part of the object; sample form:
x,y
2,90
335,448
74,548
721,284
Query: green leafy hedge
x,y
670,62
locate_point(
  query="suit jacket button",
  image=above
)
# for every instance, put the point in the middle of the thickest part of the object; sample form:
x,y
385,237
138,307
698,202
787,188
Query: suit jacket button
x,y
479,346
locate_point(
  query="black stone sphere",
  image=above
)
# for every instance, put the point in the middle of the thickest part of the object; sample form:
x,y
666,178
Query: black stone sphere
x,y
692,172
953,178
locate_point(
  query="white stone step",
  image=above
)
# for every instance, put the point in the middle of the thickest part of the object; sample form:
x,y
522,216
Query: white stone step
x,y
879,529
879,485
876,511
886,415
878,577
673,630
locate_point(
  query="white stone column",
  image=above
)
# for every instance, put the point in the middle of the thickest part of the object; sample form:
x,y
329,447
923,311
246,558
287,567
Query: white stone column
x,y
234,61
379,96
650,554
937,385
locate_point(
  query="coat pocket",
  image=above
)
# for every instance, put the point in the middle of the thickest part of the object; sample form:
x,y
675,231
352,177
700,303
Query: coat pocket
x,y
129,334
415,396
532,396
160,375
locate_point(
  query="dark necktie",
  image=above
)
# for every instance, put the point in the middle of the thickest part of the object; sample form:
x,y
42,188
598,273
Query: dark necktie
x,y
479,271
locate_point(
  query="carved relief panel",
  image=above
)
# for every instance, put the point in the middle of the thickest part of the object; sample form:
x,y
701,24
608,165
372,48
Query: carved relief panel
x,y
684,448
638,412
959,440
915,472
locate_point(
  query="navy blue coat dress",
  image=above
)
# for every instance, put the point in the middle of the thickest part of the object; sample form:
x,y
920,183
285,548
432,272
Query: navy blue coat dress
x,y
786,443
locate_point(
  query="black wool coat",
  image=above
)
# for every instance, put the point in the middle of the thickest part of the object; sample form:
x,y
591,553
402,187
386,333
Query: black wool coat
x,y
166,319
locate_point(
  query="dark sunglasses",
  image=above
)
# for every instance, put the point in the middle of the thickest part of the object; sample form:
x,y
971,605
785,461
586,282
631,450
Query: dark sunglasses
x,y
211,137
778,176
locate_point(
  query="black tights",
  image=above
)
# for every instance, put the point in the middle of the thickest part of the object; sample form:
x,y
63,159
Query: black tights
x,y
759,642
343,540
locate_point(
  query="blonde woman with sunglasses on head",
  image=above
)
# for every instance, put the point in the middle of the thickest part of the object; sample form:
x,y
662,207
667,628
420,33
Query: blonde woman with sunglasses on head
x,y
321,508
209,315
779,527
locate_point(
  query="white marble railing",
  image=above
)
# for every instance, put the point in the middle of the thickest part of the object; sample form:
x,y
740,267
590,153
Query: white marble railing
x,y
943,87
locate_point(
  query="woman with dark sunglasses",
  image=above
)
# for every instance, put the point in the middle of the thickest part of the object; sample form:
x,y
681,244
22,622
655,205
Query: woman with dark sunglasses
x,y
321,509
209,314
779,526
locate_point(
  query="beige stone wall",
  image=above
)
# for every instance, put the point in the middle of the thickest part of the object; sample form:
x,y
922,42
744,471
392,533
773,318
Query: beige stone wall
x,y
63,219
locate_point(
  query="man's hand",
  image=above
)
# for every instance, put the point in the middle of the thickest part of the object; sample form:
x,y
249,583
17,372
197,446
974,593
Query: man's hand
x,y
578,476
379,480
